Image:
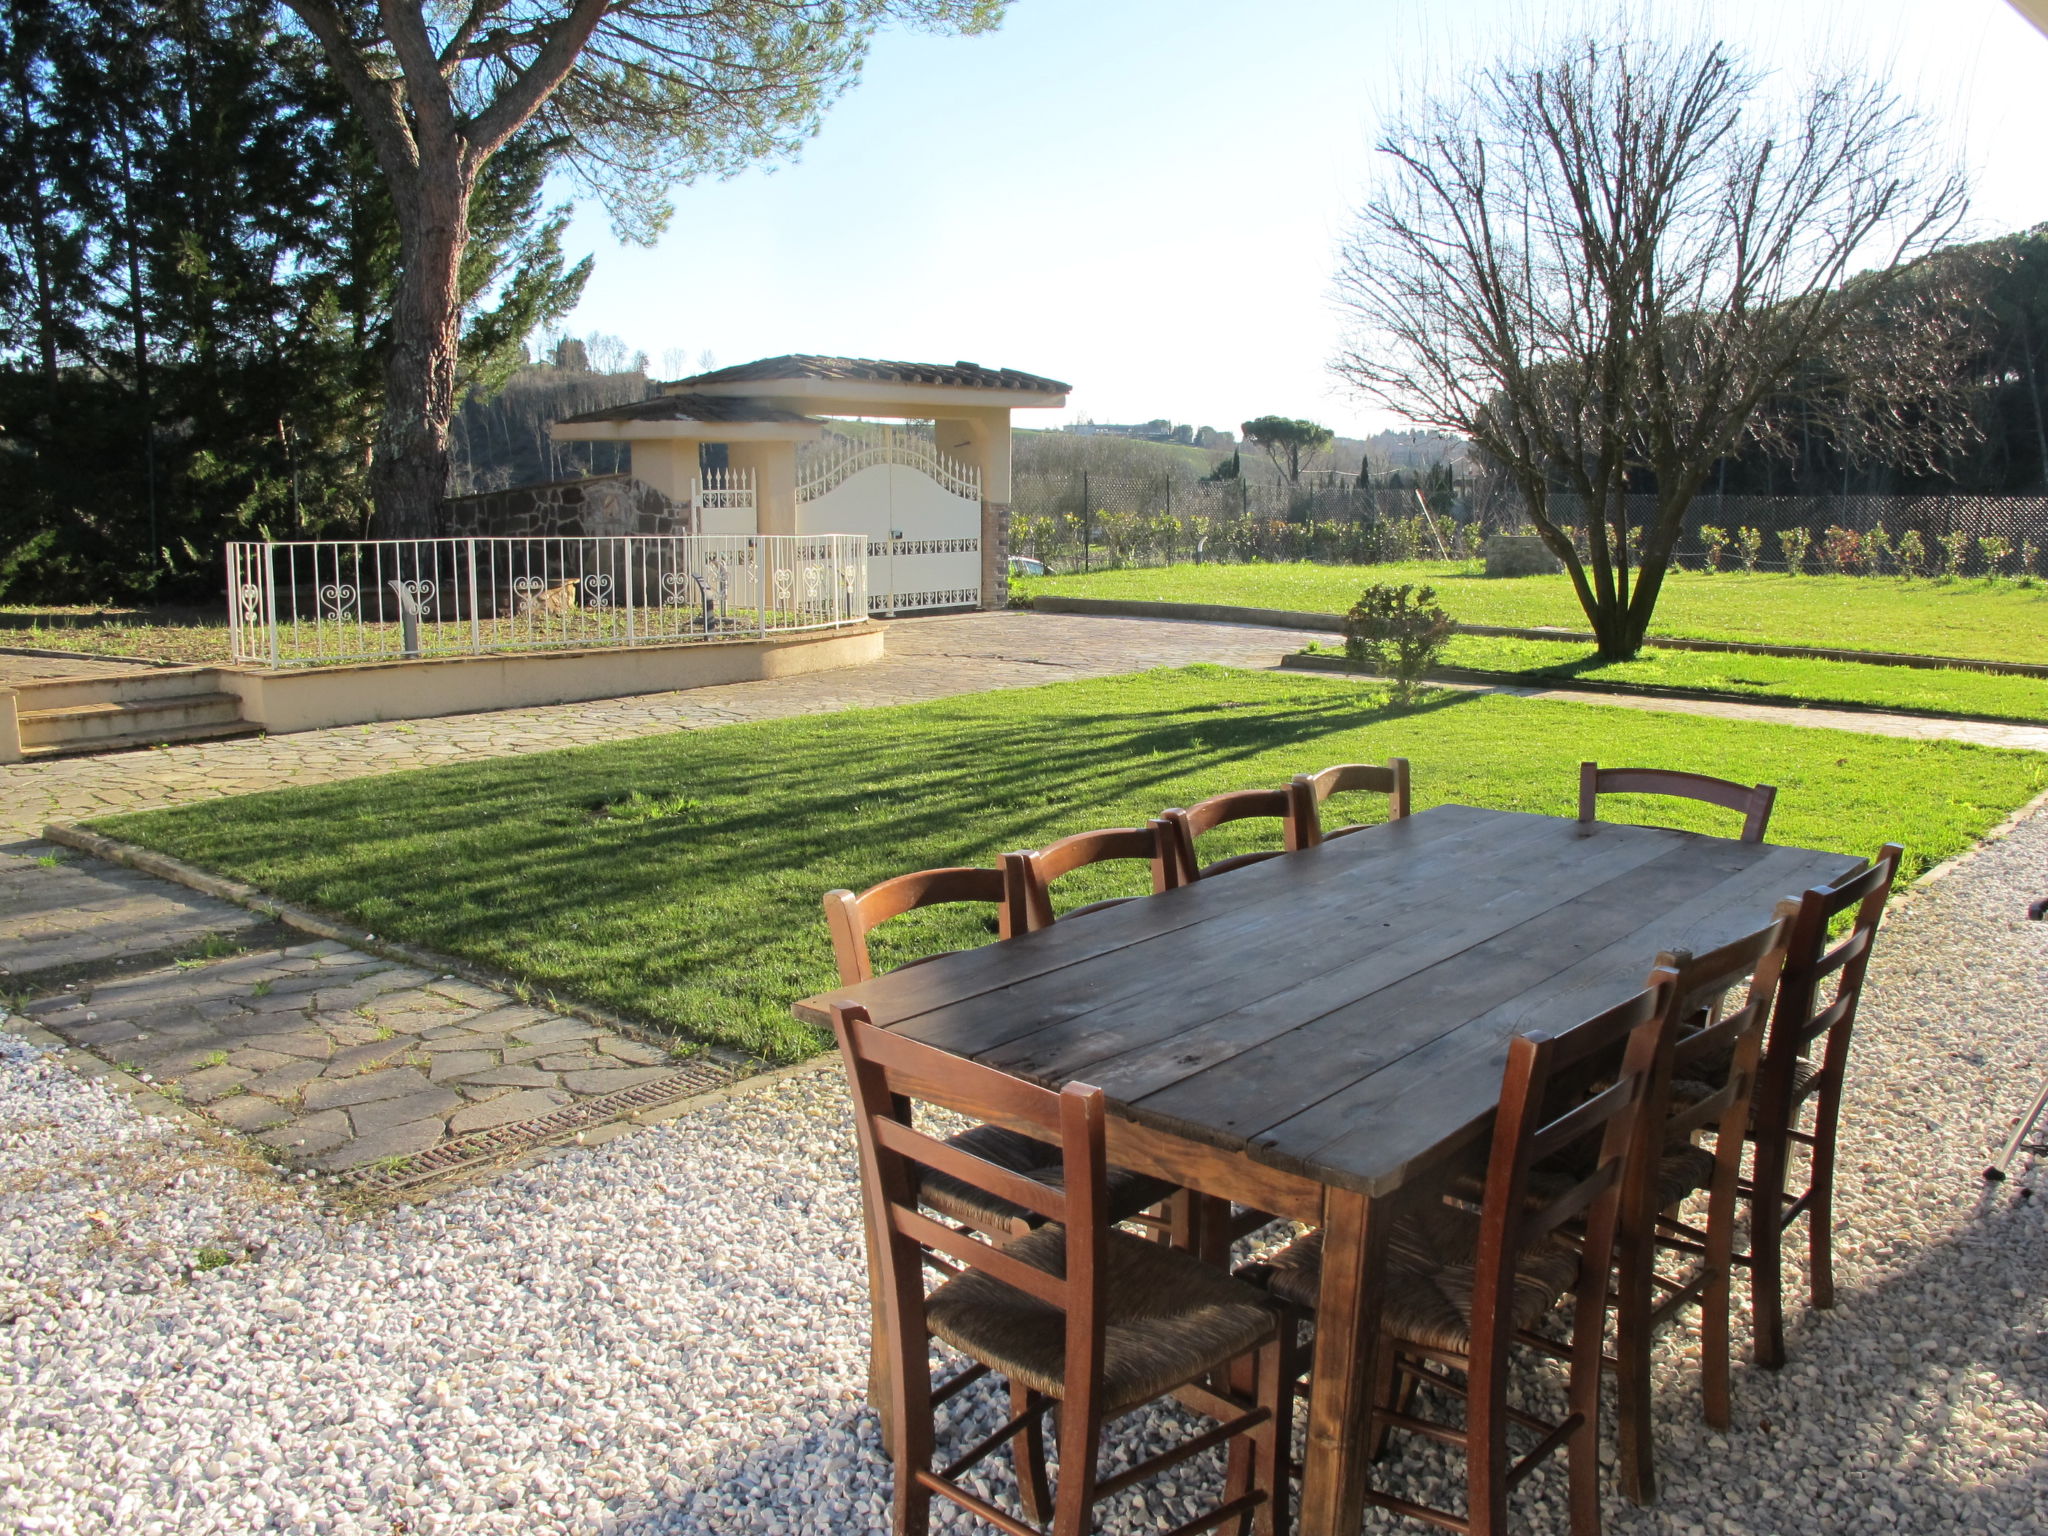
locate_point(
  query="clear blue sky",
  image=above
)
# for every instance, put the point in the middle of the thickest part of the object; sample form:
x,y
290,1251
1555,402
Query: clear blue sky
x,y
1143,197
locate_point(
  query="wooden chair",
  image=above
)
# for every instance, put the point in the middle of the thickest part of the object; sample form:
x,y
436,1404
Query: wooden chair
x,y
1714,1052
851,919
1154,843
1312,789
1460,1288
1076,1316
1281,805
1794,1073
1753,800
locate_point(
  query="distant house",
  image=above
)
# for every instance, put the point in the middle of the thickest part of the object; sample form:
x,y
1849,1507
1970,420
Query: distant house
x,y
753,449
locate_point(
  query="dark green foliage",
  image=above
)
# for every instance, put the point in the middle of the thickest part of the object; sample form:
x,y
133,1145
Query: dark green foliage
x,y
196,262
1227,469
1287,441
1400,631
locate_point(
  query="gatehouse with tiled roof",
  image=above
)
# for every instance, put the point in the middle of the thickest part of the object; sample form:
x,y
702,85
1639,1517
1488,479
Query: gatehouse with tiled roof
x,y
804,444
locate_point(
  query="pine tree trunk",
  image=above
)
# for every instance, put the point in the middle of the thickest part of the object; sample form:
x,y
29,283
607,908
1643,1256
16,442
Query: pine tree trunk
x,y
409,472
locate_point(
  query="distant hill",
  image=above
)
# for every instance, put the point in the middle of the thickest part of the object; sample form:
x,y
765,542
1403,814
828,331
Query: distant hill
x,y
504,440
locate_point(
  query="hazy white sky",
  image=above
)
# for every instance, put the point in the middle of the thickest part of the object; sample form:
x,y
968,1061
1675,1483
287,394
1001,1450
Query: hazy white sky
x,y
1143,197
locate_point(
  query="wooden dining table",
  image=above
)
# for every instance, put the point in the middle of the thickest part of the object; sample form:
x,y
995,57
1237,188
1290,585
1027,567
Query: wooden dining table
x,y
1322,1035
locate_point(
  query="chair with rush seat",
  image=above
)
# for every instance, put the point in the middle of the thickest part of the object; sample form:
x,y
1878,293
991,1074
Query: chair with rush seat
x,y
1081,1320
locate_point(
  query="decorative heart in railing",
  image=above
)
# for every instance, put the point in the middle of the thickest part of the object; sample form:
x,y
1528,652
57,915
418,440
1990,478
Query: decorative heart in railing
x,y
678,591
421,592
597,591
337,601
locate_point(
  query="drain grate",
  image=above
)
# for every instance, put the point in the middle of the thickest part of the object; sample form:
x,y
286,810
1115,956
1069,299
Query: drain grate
x,y
459,1152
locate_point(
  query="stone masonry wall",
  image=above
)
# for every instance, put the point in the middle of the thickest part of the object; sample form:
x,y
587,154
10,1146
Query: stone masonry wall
x,y
601,506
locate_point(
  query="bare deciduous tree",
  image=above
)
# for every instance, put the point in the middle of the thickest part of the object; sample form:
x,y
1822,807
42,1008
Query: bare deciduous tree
x,y
1598,259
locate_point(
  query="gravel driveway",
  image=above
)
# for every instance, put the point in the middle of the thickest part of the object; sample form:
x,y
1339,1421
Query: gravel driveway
x,y
664,1333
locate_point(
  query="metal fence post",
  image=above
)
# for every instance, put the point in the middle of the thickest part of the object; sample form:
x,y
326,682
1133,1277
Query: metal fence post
x,y
270,595
231,551
476,628
627,550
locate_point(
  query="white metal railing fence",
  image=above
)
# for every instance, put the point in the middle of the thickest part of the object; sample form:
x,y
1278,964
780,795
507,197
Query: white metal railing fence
x,y
297,604
722,490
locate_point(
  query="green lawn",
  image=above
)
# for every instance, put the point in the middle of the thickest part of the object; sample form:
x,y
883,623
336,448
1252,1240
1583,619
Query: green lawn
x,y
696,906
1767,679
1996,620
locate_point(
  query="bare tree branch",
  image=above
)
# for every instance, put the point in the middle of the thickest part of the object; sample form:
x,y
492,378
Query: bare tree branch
x,y
1598,261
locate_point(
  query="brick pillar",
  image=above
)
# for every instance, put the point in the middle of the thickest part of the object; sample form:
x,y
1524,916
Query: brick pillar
x,y
995,554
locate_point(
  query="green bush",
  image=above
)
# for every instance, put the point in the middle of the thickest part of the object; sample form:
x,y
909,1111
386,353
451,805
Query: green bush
x,y
1793,543
1912,553
1715,541
1400,631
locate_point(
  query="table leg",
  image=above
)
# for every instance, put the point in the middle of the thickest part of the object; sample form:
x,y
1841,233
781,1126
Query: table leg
x,y
1347,1341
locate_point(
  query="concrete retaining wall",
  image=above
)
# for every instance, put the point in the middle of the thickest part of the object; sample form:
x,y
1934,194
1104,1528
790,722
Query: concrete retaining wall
x,y
312,698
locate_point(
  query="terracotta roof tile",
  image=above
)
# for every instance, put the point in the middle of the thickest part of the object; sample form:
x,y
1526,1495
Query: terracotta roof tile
x,y
733,408
868,370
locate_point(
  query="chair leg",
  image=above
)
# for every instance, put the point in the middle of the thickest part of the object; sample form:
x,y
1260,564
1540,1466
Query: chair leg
x,y
1384,1382
1766,1250
1582,1449
1820,1207
1714,1307
911,1445
1179,1211
1634,1298
1212,1230
880,1398
1080,1444
1271,1452
1028,1450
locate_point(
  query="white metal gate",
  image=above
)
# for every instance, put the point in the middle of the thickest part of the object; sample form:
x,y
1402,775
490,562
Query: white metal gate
x,y
919,510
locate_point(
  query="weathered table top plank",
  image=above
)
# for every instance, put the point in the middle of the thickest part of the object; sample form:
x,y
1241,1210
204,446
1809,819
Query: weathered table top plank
x,y
1344,1012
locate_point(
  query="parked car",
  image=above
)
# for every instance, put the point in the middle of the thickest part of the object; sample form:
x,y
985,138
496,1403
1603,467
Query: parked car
x,y
1024,565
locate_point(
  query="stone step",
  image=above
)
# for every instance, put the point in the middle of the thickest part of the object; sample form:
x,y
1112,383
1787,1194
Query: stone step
x,y
95,725
138,740
134,685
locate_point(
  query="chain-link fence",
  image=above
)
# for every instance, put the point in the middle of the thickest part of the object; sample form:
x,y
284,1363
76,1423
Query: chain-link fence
x,y
1096,522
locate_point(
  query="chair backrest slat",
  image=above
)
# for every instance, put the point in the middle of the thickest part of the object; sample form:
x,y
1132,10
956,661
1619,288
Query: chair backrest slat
x,y
1313,789
1753,800
852,918
1153,843
969,1169
1238,805
973,1253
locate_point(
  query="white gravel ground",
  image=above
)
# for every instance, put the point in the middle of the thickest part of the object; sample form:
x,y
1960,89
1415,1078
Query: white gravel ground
x,y
663,1334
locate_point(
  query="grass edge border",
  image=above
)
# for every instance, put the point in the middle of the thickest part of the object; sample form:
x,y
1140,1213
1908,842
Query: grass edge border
x,y
1309,661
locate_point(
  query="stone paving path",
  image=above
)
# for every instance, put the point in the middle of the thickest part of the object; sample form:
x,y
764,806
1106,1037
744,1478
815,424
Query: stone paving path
x,y
332,1057
341,1059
